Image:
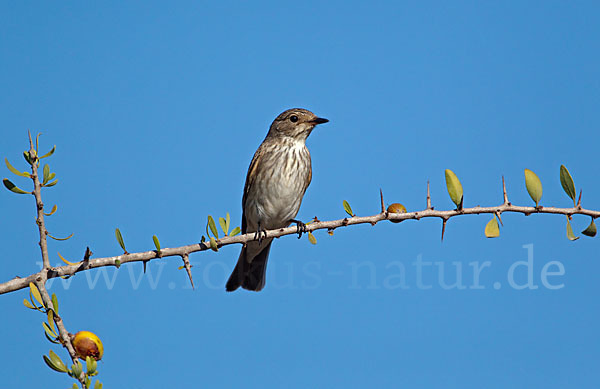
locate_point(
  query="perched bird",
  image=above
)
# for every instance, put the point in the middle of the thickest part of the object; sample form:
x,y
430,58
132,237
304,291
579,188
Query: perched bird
x,y
277,178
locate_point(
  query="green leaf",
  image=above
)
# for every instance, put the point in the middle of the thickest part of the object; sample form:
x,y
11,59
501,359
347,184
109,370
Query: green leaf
x,y
54,208
213,244
15,171
91,365
347,208
55,238
51,320
590,230
156,242
223,225
455,189
88,382
311,238
120,239
13,188
50,333
492,230
27,304
117,263
49,153
51,340
213,227
46,174
235,231
35,293
27,158
567,183
55,303
55,359
227,223
180,267
97,385
570,234
76,368
51,183
60,369
534,186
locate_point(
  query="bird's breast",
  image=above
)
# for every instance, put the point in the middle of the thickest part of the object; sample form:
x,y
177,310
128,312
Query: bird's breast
x,y
276,193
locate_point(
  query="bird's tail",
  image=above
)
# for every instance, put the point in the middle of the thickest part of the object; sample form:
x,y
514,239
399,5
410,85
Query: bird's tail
x,y
250,275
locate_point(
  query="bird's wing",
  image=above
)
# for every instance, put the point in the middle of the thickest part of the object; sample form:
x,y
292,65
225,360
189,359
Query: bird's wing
x,y
250,178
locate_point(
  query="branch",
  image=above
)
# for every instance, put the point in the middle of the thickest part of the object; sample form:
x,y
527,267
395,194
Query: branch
x,y
37,192
182,251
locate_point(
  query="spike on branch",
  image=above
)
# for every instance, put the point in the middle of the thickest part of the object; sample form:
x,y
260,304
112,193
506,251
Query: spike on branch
x,y
428,197
382,204
188,267
504,192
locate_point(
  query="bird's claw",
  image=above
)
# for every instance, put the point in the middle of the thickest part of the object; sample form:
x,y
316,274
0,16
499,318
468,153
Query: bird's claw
x,y
300,227
260,234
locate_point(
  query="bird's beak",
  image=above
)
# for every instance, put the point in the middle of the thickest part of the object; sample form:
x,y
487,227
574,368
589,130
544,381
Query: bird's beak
x,y
319,121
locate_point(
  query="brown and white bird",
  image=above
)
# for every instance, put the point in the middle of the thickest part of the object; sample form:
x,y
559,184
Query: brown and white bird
x,y
276,181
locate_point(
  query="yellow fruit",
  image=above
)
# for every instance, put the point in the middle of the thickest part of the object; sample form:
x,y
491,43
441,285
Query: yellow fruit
x,y
87,344
396,208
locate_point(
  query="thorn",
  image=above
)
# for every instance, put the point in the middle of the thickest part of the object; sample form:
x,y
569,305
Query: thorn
x,y
428,197
30,140
188,268
444,228
504,192
145,266
579,201
499,218
382,205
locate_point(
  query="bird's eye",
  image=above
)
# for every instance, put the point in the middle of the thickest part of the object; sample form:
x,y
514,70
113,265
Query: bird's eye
x,y
293,118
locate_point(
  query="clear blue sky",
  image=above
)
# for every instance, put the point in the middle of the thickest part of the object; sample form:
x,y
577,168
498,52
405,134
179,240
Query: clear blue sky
x,y
156,111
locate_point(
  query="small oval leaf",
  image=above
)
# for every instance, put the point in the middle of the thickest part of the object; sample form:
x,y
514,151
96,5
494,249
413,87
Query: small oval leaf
x,y
58,362
49,153
455,189
567,183
15,171
590,230
55,238
12,187
347,208
227,223
534,186
60,369
35,293
117,263
54,208
223,225
235,231
213,244
156,242
54,303
51,183
50,333
51,320
27,304
213,227
570,234
120,239
26,156
46,174
492,230
311,238
65,261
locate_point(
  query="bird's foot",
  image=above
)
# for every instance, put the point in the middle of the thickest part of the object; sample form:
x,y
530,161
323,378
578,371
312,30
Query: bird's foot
x,y
260,234
300,227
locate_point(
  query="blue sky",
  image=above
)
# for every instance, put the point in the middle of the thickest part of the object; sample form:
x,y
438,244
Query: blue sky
x,y
156,111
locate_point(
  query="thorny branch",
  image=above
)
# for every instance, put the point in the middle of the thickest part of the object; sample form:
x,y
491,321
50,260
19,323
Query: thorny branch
x,y
184,251
42,276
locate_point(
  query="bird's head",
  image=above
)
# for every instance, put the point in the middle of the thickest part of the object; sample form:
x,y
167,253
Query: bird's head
x,y
296,123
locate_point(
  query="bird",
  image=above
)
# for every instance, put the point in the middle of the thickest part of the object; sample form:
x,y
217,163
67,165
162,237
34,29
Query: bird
x,y
276,181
